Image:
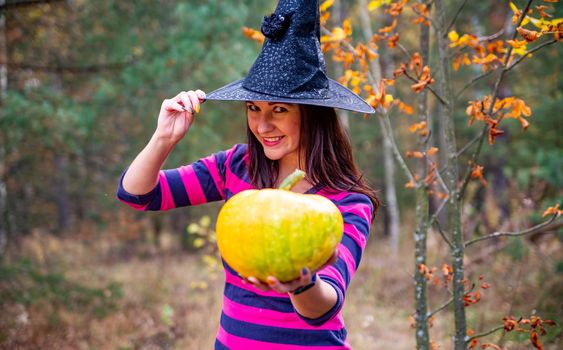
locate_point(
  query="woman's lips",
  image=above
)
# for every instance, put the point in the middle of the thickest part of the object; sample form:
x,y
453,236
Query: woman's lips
x,y
272,141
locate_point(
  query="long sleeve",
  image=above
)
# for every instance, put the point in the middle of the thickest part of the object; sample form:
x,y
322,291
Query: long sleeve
x,y
197,183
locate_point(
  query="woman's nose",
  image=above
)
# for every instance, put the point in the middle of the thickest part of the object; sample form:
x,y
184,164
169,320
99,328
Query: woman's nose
x,y
264,126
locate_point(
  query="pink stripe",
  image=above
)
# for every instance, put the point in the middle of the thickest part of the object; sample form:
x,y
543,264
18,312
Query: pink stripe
x,y
237,281
331,271
338,196
237,343
348,258
353,232
134,206
167,200
272,318
192,185
361,210
211,165
234,183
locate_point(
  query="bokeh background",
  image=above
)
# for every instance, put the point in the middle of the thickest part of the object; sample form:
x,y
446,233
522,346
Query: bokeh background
x,y
82,83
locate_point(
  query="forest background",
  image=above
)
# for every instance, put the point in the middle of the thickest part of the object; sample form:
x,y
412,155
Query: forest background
x,y
82,83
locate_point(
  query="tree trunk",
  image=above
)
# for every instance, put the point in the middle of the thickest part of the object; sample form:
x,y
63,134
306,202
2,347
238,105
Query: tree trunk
x,y
451,175
343,115
3,90
391,203
422,212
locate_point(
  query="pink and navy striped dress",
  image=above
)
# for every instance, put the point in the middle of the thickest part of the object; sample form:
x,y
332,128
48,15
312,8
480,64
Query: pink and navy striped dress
x,y
253,319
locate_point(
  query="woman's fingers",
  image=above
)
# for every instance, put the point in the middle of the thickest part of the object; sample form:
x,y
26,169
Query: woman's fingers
x,y
172,105
194,99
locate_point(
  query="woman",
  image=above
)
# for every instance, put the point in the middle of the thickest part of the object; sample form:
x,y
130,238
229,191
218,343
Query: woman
x,y
291,124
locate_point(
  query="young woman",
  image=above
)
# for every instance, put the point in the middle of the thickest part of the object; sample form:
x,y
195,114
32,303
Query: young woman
x,y
291,124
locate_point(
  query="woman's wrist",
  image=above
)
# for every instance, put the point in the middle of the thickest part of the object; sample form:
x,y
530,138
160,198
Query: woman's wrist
x,y
306,287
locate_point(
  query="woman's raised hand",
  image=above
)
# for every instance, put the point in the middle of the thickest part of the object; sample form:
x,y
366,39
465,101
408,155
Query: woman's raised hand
x,y
177,115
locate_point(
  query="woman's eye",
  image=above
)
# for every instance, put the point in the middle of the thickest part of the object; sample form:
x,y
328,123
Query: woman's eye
x,y
252,108
279,109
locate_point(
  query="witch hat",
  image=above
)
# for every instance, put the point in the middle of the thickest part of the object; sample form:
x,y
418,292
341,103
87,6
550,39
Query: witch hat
x,y
291,66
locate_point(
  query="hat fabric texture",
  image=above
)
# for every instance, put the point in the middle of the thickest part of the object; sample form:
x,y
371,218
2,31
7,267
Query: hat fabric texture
x,y
291,66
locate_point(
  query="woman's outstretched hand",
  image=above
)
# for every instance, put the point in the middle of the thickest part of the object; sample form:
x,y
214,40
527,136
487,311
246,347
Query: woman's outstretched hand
x,y
177,115
273,283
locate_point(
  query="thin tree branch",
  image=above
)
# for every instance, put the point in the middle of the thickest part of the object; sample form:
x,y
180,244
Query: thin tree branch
x,y
531,51
467,145
8,5
484,334
473,81
440,308
92,68
515,234
442,233
455,18
475,155
383,114
430,20
442,101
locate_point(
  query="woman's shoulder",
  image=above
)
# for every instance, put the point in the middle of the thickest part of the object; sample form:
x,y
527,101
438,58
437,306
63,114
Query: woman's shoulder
x,y
346,198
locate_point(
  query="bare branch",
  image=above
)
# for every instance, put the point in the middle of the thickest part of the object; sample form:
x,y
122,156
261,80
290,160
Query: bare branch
x,y
442,101
493,100
382,113
452,23
430,20
437,223
467,145
8,5
440,308
484,334
531,51
515,234
473,81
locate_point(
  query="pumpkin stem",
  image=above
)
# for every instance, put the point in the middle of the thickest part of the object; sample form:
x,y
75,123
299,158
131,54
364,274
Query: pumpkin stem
x,y
292,179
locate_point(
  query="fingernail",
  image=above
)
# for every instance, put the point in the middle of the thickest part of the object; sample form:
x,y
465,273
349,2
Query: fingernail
x,y
197,108
304,271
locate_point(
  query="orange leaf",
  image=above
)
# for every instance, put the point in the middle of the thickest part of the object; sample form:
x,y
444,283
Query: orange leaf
x,y
535,339
388,29
528,35
432,151
253,34
552,211
485,285
541,11
392,41
490,345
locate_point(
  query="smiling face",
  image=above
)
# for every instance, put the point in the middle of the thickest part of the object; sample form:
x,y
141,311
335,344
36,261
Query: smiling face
x,y
277,127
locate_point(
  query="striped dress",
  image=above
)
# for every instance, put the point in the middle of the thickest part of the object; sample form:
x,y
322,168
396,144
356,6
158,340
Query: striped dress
x,y
253,319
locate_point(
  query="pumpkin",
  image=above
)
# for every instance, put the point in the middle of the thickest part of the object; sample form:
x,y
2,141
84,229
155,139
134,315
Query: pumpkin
x,y
276,232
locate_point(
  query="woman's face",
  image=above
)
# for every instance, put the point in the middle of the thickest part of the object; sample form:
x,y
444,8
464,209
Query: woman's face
x,y
276,126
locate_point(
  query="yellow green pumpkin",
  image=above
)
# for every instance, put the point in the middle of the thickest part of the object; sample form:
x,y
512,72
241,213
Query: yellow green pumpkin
x,y
276,232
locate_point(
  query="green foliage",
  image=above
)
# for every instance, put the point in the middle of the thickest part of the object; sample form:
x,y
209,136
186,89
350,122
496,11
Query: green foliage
x,y
23,282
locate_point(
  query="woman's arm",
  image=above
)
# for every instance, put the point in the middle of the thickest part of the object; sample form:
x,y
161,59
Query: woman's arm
x,y
174,120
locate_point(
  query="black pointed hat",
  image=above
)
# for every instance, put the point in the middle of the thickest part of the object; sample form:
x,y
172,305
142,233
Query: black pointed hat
x,y
291,67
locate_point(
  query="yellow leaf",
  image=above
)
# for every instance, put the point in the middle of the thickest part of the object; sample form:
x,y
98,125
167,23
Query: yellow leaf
x,y
347,26
374,5
336,35
199,242
514,8
453,36
388,99
326,5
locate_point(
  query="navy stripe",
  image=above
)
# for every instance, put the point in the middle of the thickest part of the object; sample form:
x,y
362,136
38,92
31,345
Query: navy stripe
x,y
228,194
142,199
177,189
341,267
206,181
354,199
248,298
330,313
220,160
359,222
237,164
156,201
278,335
353,247
219,345
228,268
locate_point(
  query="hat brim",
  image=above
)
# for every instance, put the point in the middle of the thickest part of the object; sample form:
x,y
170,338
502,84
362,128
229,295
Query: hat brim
x,y
340,97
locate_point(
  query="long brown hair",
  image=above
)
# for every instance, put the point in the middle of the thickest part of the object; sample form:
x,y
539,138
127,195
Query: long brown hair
x,y
329,161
